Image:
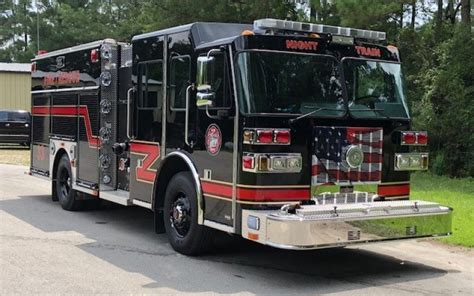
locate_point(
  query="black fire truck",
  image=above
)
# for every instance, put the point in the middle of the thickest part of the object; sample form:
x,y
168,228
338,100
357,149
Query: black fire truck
x,y
290,134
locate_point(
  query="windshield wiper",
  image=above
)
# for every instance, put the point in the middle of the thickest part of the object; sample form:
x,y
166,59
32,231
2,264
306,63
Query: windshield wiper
x,y
293,120
379,111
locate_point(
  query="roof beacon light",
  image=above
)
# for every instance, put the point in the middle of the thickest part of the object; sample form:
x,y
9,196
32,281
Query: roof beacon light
x,y
274,24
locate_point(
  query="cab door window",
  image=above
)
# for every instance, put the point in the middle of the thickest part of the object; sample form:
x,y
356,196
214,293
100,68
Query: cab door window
x,y
150,101
180,74
221,84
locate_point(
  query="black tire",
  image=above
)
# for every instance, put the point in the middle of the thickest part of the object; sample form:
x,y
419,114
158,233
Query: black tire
x,y
64,192
180,210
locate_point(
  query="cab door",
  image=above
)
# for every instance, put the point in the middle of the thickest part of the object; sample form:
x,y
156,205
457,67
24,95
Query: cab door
x,y
214,138
145,149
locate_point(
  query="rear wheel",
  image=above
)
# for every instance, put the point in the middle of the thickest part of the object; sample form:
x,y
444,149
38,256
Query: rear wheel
x,y
64,192
185,235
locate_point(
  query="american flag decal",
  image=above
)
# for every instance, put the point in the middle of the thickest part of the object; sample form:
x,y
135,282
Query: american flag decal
x,y
329,165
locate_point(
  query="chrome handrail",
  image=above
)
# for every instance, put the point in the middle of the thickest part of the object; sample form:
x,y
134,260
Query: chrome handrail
x,y
186,117
128,112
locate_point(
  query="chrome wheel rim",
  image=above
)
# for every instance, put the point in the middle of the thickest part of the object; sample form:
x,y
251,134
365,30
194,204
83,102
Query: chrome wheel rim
x,y
180,215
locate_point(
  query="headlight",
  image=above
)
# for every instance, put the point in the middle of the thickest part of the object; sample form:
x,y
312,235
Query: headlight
x,y
272,163
411,161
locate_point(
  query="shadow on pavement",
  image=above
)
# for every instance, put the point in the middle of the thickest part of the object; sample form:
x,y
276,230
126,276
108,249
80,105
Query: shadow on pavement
x,y
125,238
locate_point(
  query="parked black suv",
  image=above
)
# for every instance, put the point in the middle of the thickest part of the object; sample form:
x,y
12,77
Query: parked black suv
x,y
15,127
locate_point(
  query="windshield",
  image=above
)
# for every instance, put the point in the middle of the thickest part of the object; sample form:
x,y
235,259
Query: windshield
x,y
283,82
374,88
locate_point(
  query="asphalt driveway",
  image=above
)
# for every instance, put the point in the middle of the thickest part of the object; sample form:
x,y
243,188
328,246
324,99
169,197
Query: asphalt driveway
x,y
114,250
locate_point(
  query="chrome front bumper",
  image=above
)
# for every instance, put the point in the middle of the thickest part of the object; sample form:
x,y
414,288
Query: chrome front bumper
x,y
323,226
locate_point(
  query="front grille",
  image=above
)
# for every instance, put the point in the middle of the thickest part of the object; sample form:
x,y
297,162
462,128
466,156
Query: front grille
x,y
346,155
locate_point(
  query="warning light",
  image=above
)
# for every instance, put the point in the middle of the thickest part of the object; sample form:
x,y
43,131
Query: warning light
x,y
248,162
414,138
247,33
264,136
282,136
422,138
94,55
408,138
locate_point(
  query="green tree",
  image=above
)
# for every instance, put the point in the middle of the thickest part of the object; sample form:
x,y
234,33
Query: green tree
x,y
447,102
15,25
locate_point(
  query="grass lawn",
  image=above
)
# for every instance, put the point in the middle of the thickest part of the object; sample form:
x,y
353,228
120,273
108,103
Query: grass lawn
x,y
14,154
456,193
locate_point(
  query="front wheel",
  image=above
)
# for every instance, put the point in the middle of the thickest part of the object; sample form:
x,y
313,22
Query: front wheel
x,y
64,192
185,235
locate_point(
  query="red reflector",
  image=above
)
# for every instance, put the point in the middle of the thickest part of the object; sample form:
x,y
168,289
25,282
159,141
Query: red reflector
x,y
252,236
408,138
94,55
248,162
265,136
282,137
422,138
33,67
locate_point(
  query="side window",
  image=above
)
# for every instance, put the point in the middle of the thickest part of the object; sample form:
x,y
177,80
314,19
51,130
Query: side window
x,y
222,90
150,84
150,100
180,74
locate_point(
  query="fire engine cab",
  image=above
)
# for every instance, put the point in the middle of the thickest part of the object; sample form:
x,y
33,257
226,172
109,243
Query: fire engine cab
x,y
290,134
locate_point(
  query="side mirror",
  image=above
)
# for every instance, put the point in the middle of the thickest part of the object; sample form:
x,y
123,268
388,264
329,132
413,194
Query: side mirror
x,y
204,81
205,73
205,99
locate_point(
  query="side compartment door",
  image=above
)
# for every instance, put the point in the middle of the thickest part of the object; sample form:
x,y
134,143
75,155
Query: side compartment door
x,y
88,139
145,148
40,121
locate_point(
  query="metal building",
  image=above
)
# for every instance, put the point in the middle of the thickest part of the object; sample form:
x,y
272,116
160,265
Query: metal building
x,y
15,86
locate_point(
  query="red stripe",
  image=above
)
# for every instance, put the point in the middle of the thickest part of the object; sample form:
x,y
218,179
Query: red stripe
x,y
394,190
217,189
255,194
40,110
272,194
152,153
70,111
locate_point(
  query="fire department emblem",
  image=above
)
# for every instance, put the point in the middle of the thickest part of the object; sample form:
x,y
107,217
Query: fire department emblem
x,y
213,139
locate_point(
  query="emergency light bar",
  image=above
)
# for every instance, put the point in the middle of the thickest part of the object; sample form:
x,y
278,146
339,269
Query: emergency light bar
x,y
274,24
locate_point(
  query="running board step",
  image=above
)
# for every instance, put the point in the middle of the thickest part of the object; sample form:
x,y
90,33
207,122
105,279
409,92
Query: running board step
x,y
117,196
